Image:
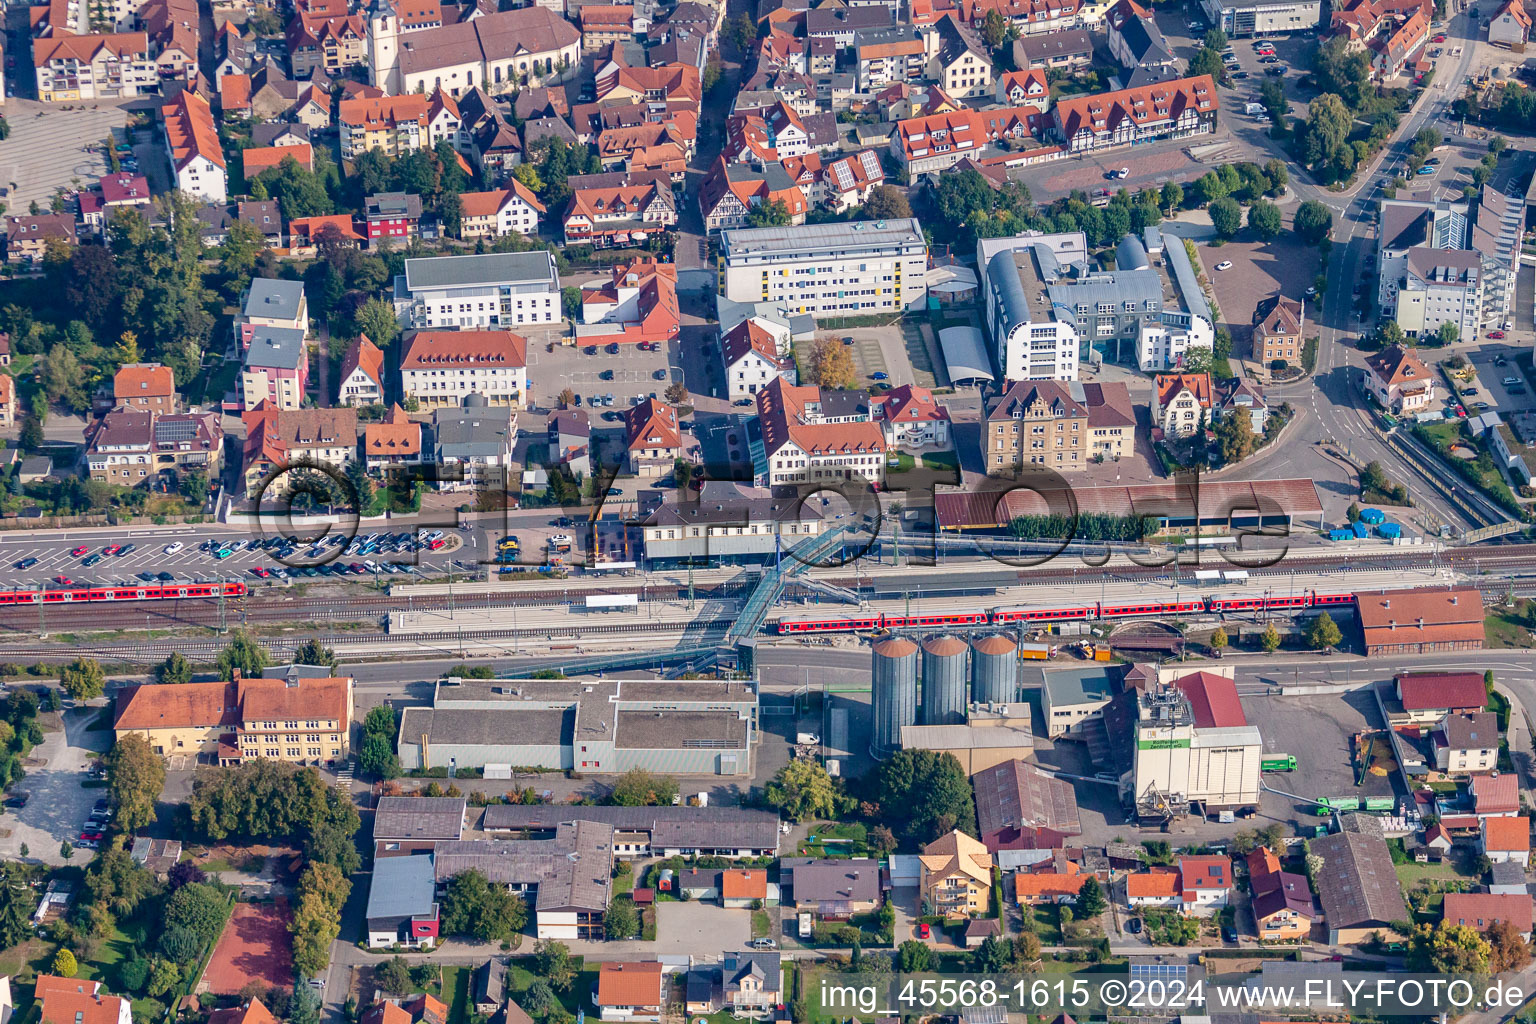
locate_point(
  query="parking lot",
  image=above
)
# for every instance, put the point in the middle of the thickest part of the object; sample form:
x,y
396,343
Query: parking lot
x,y
1317,730
57,804
1259,270
153,554
46,153
1500,384
629,374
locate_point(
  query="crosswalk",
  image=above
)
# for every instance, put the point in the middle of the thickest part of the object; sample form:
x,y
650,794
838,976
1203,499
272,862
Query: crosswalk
x,y
344,777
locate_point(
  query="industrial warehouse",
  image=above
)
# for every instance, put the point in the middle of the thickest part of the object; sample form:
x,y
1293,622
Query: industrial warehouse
x,y
701,727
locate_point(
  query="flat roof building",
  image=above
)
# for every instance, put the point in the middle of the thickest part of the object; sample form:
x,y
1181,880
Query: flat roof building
x,y
653,831
499,289
849,269
600,726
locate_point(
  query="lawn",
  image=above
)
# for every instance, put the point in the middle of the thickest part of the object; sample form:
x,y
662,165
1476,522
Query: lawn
x,y
455,992
519,977
1048,925
898,462
1410,875
762,924
941,460
1508,627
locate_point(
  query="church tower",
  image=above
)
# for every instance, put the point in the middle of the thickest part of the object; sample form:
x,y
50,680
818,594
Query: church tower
x,y
384,46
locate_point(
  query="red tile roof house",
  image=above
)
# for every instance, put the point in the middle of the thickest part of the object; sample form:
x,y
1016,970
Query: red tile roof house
x,y
1430,696
1495,796
1481,909
910,418
638,306
1503,839
652,438
77,1001
630,991
1205,884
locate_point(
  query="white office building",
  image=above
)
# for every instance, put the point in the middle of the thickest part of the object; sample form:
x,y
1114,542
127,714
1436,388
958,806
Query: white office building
x,y
851,269
1263,17
503,289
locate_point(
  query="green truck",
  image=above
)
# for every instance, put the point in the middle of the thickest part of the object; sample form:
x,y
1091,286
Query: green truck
x,y
1278,763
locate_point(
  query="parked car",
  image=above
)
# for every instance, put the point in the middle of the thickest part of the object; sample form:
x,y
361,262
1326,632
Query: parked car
x,y
923,931
77,552
26,563
1228,933
64,581
1133,926
125,549
90,560
1224,265
173,547
879,375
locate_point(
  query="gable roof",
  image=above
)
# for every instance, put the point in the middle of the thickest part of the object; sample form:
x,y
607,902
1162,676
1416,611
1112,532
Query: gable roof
x,y
782,416
1421,615
433,349
1398,365
651,424
629,984
1204,872
396,435
1358,884
190,129
1507,835
77,1001
1285,891
751,336
743,884
1495,794
253,1012
1213,699
1434,691
1017,793
1155,884
143,380
956,853
1480,910
1049,884
1170,384
1145,105
363,355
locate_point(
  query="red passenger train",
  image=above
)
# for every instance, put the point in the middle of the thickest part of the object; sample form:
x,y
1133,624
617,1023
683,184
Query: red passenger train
x,y
831,622
144,592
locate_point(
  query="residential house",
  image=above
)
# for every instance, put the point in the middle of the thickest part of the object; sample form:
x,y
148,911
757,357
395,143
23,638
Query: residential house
x,y
886,56
500,212
1062,425
956,876
1465,744
1277,326
402,908
1176,109
1404,37
957,60
27,236
846,182
1181,403
392,215
1281,900
652,438
276,439
1158,887
305,234
280,716
605,24
490,993
1505,838
395,441
910,418
113,192
638,305
145,387
1032,888
1510,26
752,983
7,401
570,440
325,38
1137,43
265,216
631,991
192,143
830,889
1024,88
730,191
443,368
1427,697
936,142
1495,795
276,369
752,358
743,888
257,159
1399,381
811,434
1482,910
362,374
132,448
77,1001
252,1012
1239,396
1069,50
472,445
1205,883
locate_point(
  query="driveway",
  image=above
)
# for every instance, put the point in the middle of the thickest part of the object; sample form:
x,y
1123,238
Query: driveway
x,y
679,926
59,804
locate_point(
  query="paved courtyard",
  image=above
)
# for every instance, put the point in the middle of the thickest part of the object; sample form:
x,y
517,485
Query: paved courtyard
x,y
58,804
44,153
1259,270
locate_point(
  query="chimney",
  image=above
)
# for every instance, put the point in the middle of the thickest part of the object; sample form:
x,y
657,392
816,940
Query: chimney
x,y
1454,598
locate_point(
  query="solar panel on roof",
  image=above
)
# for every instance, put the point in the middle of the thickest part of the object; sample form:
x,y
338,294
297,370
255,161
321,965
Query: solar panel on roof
x,y
844,174
175,430
871,164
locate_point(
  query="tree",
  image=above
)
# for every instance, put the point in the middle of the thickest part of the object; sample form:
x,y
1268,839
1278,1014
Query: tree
x,y
16,903
1270,641
63,379
831,365
922,794
1488,682
1313,222
621,921
66,850
1264,219
1090,899
1234,435
741,31
639,788
316,920
83,679
1507,950
135,778
64,964
473,906
914,957
802,790
881,841
376,318
1343,71
305,1006
242,653
199,909
1207,61
313,652
1219,639
1448,949
676,393
552,960
1226,216
183,873
393,976
994,29
1172,197
1447,334
1352,514
1272,95
773,214
886,202
1497,145
1324,633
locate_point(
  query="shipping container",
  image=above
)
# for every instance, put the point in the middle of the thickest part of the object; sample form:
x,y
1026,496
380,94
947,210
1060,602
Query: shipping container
x,y
1036,652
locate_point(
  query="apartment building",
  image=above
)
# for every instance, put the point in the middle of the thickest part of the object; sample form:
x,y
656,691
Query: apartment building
x,y
938,141
286,715
618,215
752,358
145,387
956,60
496,52
888,55
1277,326
1399,381
443,368
391,124
480,291
93,67
1181,403
1060,425
1177,109
851,269
27,235
730,192
277,439
276,369
270,302
192,143
956,877
809,434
